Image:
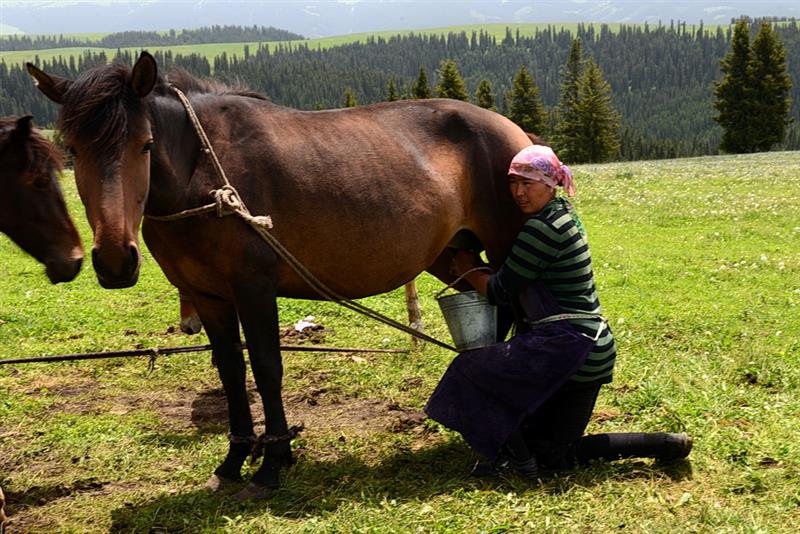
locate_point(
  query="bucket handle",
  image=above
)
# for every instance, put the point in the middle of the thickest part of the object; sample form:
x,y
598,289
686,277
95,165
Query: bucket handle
x,y
457,280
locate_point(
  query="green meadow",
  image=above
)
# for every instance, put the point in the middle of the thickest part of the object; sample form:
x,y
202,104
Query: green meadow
x,y
697,264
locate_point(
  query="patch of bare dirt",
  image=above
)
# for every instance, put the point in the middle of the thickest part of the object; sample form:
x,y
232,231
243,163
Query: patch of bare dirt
x,y
411,382
314,334
320,406
56,385
320,410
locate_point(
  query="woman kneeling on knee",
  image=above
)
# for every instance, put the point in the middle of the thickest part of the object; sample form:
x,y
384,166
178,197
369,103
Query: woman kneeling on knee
x,y
526,402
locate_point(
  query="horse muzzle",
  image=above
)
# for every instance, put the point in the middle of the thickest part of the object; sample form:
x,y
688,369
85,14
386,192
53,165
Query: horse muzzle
x,y
64,269
124,274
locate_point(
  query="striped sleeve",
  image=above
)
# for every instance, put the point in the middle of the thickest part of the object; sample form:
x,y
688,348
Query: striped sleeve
x,y
536,248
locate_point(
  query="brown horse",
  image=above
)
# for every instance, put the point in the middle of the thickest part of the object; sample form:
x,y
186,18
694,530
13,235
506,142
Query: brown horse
x,y
365,197
32,210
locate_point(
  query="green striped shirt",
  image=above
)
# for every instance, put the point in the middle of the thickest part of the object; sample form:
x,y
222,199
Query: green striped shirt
x,y
552,246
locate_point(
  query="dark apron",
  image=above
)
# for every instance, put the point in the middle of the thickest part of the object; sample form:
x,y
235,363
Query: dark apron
x,y
486,393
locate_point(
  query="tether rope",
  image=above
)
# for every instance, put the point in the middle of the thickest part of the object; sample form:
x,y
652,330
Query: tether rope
x,y
228,202
154,352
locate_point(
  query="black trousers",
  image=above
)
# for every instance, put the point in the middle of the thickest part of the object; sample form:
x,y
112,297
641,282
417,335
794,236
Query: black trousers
x,y
552,430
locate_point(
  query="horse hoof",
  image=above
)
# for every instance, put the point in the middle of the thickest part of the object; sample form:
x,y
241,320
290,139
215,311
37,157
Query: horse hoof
x,y
218,483
254,492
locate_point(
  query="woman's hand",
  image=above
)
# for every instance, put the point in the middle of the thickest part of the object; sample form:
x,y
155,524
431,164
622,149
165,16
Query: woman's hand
x,y
466,260
463,261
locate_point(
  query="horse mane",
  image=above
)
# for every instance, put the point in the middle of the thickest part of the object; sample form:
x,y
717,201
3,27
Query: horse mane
x,y
39,151
95,109
189,83
97,104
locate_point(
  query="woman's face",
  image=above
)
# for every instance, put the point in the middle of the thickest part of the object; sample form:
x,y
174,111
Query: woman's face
x,y
530,195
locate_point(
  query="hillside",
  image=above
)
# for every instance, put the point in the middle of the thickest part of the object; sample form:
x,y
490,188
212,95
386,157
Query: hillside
x,y
231,48
205,35
661,77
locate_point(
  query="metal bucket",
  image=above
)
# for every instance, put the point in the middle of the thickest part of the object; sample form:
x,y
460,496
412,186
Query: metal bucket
x,y
472,321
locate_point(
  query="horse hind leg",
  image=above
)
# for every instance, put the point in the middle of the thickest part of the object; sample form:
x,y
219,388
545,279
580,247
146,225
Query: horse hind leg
x,y
190,320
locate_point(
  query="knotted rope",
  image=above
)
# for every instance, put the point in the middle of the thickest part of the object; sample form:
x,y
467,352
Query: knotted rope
x,y
227,201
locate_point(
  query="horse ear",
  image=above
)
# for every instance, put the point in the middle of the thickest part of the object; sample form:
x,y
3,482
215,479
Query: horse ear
x,y
19,137
145,74
51,85
24,127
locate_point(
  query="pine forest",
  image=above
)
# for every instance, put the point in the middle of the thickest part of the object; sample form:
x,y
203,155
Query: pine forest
x,y
661,77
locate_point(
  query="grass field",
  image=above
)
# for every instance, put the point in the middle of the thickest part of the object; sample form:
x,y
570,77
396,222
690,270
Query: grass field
x,y
698,268
212,50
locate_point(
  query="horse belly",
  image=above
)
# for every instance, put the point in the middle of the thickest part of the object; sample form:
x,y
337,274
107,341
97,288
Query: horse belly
x,y
385,247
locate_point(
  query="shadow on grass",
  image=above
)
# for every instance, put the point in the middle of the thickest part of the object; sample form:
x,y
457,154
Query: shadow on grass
x,y
209,415
315,488
17,501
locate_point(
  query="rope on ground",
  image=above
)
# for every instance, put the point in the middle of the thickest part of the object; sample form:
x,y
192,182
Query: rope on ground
x,y
155,352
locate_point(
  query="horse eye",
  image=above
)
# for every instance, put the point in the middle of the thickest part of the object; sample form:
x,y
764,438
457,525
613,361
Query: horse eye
x,y
42,182
148,146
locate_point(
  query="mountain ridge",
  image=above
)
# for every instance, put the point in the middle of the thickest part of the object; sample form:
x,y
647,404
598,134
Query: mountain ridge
x,y
315,18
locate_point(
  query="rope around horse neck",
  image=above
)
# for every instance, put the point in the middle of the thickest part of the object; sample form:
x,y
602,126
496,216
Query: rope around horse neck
x,y
228,202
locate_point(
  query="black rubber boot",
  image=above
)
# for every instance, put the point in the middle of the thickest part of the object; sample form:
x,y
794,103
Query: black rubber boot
x,y
664,446
516,457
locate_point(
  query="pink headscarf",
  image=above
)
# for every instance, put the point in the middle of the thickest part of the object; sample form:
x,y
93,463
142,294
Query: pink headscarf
x,y
539,162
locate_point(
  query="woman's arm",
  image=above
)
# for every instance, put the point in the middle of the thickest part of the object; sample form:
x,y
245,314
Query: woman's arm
x,y
463,262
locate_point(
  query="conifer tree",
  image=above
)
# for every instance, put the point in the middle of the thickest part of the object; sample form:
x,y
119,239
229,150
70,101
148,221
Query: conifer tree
x,y
734,93
599,121
524,104
451,84
349,98
484,96
391,90
420,89
770,90
566,132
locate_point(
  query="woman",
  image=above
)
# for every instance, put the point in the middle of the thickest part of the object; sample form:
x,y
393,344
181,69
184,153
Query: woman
x,y
527,402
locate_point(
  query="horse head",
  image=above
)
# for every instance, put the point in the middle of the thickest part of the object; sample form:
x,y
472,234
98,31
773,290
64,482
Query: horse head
x,y
32,209
105,124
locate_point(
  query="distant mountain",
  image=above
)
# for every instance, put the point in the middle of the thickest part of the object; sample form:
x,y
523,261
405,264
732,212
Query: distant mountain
x,y
320,18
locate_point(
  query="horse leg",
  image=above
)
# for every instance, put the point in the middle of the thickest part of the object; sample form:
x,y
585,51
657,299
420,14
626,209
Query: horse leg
x,y
190,321
414,310
222,326
259,318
